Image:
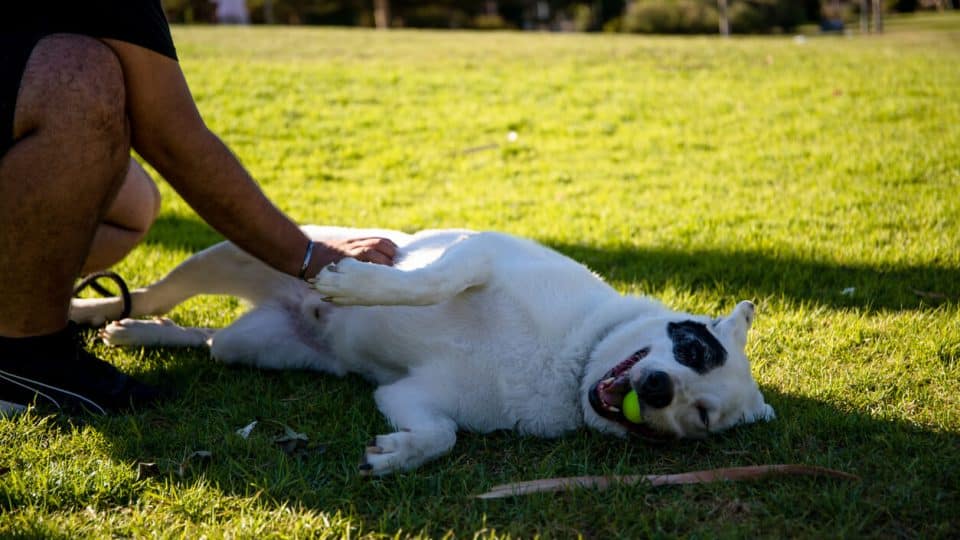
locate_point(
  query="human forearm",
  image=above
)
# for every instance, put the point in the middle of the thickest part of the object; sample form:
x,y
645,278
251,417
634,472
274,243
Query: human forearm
x,y
166,129
227,198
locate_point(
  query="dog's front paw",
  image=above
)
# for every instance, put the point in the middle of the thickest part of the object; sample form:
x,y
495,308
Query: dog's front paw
x,y
390,453
351,282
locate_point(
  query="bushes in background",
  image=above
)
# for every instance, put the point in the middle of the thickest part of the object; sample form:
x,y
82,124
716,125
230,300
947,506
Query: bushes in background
x,y
701,16
670,17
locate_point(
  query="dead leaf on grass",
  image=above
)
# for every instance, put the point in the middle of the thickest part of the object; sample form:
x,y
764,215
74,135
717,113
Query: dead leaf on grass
x,y
295,444
292,442
200,457
147,470
245,431
930,295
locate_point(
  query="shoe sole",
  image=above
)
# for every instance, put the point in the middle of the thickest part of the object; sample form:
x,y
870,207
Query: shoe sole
x,y
9,410
44,390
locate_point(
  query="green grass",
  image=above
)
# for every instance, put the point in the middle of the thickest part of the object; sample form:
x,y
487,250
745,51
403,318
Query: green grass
x,y
697,170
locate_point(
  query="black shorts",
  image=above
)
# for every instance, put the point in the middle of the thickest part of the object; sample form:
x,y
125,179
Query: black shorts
x,y
15,50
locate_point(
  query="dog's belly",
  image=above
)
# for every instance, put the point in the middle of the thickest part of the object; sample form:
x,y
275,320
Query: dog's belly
x,y
497,359
394,340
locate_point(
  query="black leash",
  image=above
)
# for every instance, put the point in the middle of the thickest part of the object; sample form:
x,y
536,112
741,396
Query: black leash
x,y
91,281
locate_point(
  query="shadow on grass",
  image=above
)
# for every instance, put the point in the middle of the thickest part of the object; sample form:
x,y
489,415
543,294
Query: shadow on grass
x,y
910,473
178,232
735,275
751,275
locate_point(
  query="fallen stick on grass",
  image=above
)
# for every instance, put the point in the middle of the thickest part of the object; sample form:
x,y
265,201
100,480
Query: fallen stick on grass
x,y
732,474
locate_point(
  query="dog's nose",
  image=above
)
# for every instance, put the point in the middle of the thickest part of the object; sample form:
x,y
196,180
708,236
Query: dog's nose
x,y
656,389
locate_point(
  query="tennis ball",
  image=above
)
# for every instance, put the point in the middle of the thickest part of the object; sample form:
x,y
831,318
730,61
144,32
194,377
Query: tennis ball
x,y
631,407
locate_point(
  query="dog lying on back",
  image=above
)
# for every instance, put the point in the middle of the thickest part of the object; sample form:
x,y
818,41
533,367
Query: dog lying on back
x,y
469,330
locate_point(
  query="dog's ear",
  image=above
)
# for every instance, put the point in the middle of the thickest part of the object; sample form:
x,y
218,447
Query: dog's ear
x,y
738,322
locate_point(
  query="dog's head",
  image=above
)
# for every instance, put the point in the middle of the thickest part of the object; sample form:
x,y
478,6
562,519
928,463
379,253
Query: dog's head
x,y
690,373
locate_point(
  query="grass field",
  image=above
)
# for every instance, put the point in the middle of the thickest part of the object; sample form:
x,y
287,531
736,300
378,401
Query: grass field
x,y
819,179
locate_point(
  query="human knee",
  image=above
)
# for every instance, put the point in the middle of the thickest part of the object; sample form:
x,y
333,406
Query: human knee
x,y
148,198
76,79
154,205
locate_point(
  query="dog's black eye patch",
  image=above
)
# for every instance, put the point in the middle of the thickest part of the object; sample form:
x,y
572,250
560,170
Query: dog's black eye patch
x,y
695,347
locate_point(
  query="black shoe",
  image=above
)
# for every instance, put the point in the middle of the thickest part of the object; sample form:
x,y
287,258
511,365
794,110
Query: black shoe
x,y
56,371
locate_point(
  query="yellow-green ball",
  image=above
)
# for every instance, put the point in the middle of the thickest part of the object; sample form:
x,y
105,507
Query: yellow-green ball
x,y
631,407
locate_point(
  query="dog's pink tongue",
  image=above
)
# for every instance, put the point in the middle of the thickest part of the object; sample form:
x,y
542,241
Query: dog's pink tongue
x,y
612,394
610,398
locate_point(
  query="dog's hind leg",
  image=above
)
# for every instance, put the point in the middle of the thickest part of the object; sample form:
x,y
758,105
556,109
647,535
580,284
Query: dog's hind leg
x,y
270,336
220,269
278,336
424,430
468,263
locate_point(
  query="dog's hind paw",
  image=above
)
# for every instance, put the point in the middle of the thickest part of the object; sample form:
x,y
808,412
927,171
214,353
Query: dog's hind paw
x,y
158,331
132,332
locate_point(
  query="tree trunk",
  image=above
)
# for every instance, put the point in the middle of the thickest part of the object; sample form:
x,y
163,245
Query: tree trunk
x,y
381,13
724,18
864,16
268,12
877,16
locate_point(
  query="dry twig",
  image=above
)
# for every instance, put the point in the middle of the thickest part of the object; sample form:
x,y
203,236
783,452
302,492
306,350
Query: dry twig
x,y
732,474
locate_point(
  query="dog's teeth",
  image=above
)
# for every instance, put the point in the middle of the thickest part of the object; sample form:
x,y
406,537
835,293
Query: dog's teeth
x,y
611,408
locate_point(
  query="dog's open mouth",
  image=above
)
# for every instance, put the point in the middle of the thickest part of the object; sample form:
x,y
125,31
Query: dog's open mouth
x,y
606,398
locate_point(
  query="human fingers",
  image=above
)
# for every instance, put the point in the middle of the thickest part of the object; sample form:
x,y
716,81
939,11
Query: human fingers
x,y
383,245
378,249
373,256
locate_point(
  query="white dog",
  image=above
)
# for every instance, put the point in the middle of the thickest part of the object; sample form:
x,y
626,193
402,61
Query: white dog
x,y
479,331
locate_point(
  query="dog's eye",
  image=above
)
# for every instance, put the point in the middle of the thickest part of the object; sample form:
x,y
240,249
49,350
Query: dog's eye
x,y
704,416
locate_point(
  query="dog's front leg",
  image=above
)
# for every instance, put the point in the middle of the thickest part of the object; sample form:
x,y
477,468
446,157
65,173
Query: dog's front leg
x,y
466,264
424,430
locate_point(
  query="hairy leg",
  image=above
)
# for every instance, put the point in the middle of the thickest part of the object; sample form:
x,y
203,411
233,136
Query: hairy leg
x,y
71,154
127,220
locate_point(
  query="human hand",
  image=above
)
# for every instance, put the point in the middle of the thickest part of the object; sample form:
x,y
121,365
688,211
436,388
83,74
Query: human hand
x,y
370,249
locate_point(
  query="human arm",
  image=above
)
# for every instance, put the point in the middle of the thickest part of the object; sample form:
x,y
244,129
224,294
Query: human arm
x,y
167,130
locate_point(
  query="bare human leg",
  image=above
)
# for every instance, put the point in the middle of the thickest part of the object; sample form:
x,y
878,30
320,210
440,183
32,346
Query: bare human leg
x,y
57,184
127,221
57,181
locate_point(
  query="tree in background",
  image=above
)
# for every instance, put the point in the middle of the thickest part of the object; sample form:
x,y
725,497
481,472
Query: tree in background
x,y
190,11
655,16
381,13
704,16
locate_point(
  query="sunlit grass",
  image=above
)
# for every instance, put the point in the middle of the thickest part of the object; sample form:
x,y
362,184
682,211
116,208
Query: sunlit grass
x,y
818,179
